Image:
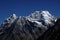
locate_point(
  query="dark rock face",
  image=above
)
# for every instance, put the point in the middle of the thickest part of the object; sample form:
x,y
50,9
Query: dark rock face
x,y
52,33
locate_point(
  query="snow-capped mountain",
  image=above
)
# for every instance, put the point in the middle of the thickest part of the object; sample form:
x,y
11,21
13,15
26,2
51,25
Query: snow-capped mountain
x,y
43,17
26,28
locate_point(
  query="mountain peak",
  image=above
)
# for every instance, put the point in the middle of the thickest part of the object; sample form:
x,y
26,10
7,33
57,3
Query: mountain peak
x,y
35,15
43,16
47,17
10,19
13,16
46,13
26,28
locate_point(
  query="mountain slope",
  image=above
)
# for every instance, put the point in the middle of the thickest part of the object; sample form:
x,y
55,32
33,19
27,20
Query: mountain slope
x,y
26,28
52,33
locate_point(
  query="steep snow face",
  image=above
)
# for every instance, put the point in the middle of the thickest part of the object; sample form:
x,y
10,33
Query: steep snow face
x,y
43,17
47,18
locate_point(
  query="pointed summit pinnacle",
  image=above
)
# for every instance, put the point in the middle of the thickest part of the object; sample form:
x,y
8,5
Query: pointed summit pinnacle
x,y
13,16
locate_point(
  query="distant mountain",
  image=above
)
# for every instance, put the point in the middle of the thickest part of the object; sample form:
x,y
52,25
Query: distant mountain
x,y
27,27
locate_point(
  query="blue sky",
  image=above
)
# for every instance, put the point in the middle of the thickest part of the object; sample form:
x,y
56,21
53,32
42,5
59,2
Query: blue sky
x,y
25,7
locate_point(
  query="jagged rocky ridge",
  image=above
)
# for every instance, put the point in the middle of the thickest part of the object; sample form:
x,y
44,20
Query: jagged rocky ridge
x,y
26,28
